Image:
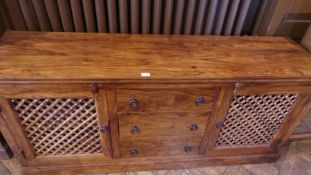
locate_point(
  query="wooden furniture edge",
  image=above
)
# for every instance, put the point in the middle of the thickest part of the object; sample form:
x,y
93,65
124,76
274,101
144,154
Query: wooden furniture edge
x,y
222,104
300,136
295,116
148,81
10,116
113,167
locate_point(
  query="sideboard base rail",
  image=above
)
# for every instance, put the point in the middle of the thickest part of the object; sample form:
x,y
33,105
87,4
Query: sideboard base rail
x,y
144,164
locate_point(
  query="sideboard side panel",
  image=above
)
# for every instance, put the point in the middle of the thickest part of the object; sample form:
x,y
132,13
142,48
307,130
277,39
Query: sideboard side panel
x,y
298,112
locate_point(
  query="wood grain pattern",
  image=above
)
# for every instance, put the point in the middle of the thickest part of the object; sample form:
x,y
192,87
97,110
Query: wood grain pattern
x,y
162,124
57,90
169,57
165,100
272,88
159,146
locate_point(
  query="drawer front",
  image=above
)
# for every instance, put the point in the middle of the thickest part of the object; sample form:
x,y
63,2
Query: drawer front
x,y
159,146
165,100
162,124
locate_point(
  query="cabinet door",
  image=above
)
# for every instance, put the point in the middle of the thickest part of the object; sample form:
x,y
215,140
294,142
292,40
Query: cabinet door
x,y
257,119
56,122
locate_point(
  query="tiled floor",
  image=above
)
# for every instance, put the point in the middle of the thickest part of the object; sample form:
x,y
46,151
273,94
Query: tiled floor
x,y
296,160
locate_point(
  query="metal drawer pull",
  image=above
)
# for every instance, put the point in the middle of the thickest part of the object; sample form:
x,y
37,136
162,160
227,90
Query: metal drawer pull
x,y
134,152
134,129
104,129
220,125
200,100
188,149
133,103
194,127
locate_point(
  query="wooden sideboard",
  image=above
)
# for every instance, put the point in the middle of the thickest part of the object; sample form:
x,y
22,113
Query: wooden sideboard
x,y
86,103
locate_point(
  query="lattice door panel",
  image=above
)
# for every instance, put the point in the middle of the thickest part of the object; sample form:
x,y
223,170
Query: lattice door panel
x,y
255,119
60,126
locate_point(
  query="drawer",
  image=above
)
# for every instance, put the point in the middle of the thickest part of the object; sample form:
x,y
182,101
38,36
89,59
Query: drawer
x,y
162,124
165,100
159,146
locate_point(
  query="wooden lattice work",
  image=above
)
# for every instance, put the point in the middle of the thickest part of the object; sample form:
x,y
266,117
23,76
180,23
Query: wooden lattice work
x,y
60,126
254,119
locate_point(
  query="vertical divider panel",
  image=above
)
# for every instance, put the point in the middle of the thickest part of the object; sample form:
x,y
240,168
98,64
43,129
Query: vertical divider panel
x,y
10,116
54,16
222,104
113,122
102,113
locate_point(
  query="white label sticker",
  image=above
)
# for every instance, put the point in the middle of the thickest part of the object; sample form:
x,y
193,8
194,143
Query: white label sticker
x,y
145,74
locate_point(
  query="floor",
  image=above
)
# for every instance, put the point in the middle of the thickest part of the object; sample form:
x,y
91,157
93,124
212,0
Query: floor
x,y
296,160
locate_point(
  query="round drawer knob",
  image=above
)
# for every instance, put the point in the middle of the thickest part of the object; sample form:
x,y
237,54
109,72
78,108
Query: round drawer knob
x,y
200,100
104,129
133,103
134,129
220,125
188,149
134,152
194,127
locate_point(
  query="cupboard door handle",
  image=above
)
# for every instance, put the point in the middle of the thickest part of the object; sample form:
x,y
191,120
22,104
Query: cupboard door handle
x,y
200,100
134,152
133,103
188,149
134,129
194,127
220,125
104,129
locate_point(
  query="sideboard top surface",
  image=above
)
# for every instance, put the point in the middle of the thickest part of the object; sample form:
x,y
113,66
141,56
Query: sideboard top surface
x,y
79,56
